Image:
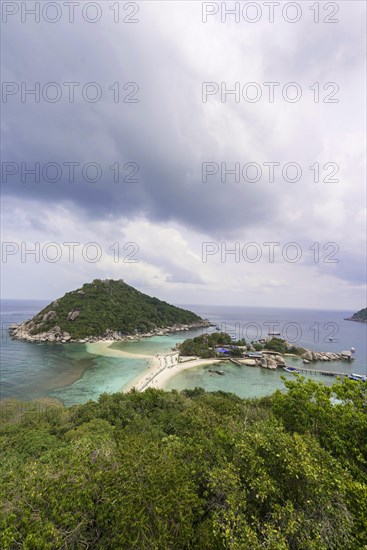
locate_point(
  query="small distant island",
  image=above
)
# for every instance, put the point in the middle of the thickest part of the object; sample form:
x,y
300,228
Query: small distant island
x,y
105,310
360,316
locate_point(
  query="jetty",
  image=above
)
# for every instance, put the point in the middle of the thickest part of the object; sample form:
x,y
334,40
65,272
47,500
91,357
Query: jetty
x,y
317,371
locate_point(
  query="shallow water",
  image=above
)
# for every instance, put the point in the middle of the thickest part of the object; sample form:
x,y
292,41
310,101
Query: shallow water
x,y
75,373
242,380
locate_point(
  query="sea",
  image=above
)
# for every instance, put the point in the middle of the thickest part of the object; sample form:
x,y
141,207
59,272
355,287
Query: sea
x,y
77,373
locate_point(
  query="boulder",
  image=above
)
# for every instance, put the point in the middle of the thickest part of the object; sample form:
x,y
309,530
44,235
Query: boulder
x,y
272,364
307,356
72,315
50,316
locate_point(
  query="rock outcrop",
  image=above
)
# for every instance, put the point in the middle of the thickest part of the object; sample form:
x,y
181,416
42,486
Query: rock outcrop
x,y
72,315
23,331
312,356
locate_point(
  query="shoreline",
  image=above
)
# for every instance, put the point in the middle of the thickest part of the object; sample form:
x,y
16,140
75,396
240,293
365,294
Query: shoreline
x,y
105,346
160,369
56,336
161,374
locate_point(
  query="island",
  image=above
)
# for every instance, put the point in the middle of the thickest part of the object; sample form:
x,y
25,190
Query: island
x,y
360,316
105,310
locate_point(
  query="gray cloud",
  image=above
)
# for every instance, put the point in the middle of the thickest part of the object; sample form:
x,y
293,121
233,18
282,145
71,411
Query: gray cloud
x,y
170,132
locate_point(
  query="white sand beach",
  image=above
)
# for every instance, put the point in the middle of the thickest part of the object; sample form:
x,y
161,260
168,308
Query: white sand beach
x,y
160,368
160,374
154,362
103,348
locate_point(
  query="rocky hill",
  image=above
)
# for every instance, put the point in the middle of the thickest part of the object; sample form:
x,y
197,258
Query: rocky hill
x,y
360,316
105,310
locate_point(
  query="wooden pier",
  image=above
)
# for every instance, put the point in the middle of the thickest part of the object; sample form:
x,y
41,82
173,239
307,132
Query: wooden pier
x,y
301,370
316,371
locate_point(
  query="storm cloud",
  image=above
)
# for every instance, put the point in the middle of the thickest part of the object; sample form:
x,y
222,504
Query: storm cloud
x,y
163,135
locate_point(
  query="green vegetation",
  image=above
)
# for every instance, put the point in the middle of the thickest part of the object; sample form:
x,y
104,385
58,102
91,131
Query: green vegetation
x,y
279,345
109,305
204,345
196,470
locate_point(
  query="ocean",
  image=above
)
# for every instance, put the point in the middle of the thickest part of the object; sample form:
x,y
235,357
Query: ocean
x,y
75,373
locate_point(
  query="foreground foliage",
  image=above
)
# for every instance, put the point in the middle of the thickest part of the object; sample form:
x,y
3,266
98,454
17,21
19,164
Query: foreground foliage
x,y
199,470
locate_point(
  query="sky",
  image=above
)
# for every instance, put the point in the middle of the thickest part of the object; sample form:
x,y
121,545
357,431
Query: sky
x,y
205,157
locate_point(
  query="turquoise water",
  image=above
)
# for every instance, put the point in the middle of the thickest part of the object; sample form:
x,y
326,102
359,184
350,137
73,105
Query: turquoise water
x,y
74,374
154,345
244,381
104,375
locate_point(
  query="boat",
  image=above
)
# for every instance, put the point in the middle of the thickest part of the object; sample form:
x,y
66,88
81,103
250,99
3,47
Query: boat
x,y
273,333
353,350
290,369
357,377
217,328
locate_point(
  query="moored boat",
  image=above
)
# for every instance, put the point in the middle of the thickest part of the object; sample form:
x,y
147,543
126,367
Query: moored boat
x,y
290,369
358,377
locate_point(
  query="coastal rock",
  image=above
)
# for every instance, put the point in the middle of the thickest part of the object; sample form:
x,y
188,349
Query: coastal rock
x,y
271,363
308,356
23,331
50,316
72,315
250,362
